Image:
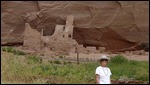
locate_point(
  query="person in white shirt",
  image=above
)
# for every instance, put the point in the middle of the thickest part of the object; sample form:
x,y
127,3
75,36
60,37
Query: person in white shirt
x,y
103,73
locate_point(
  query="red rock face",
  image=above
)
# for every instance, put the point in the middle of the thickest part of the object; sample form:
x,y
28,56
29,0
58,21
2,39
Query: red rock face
x,y
102,38
124,22
12,22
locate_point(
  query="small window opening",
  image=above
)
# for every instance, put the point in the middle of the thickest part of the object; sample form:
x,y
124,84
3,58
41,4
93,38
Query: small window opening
x,y
69,35
63,28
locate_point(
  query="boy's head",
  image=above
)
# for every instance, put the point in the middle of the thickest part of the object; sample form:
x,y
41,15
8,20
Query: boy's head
x,y
103,60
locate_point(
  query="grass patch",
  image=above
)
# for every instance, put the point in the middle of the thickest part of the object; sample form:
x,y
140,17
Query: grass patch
x,y
33,59
65,62
60,56
7,49
121,66
18,52
57,62
12,50
50,61
69,62
119,59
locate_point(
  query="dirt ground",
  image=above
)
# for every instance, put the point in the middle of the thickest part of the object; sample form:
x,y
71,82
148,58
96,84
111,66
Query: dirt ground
x,y
133,55
95,56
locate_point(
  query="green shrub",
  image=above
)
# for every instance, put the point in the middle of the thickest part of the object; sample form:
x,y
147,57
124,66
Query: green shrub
x,y
57,62
133,62
143,77
118,59
33,59
7,49
50,61
42,54
11,50
60,56
18,52
3,49
69,62
41,70
64,62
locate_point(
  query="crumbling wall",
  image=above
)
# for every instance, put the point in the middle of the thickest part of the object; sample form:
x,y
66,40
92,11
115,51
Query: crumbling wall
x,y
61,41
32,38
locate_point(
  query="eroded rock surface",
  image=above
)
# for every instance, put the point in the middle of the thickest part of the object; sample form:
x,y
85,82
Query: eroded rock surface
x,y
123,22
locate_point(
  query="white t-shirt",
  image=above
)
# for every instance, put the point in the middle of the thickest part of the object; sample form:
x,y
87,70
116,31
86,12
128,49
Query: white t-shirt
x,y
104,74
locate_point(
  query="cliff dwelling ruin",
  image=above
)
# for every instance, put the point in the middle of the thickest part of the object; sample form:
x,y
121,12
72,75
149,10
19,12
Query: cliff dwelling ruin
x,y
67,38
60,42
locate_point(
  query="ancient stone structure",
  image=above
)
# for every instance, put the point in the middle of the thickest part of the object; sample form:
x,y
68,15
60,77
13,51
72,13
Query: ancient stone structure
x,y
69,27
61,42
32,38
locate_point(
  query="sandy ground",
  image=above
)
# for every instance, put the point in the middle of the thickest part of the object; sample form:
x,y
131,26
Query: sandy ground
x,y
95,56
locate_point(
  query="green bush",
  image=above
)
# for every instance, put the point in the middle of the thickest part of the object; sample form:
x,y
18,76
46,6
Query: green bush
x,y
7,49
118,59
133,62
18,52
143,77
3,49
11,50
57,62
69,62
50,61
33,59
60,56
64,62
41,70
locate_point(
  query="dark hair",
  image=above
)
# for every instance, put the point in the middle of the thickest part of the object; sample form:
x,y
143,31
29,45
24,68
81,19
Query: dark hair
x,y
103,60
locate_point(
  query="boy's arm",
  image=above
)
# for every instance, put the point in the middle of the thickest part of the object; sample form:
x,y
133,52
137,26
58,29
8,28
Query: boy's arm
x,y
97,79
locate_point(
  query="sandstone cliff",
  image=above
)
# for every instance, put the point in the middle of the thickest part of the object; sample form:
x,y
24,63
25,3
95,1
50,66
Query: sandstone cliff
x,y
115,25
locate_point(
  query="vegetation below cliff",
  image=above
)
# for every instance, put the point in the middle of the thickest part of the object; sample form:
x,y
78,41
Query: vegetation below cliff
x,y
18,67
